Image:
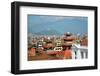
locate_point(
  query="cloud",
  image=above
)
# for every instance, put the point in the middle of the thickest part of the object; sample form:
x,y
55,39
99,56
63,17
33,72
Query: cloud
x,y
51,18
59,18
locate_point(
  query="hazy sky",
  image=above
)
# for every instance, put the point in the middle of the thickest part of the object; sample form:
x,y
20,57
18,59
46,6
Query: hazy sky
x,y
38,23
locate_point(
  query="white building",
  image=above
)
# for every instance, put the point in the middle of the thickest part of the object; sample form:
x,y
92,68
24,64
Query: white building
x,y
79,52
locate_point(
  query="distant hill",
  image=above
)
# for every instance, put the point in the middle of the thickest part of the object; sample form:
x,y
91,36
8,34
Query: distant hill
x,y
47,32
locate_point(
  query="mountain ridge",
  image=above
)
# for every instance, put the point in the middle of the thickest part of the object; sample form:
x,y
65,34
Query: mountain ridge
x,y
47,32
